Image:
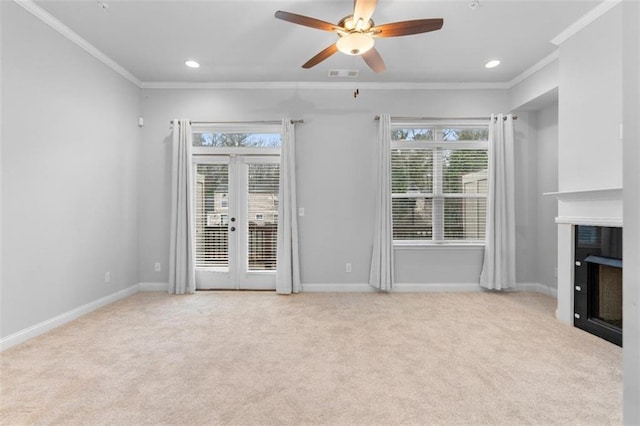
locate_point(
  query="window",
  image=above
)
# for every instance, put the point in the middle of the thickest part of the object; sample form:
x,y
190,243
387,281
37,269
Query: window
x,y
439,183
214,139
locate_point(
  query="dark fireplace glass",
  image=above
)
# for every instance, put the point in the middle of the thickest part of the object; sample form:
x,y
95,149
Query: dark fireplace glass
x,y
598,281
598,240
605,290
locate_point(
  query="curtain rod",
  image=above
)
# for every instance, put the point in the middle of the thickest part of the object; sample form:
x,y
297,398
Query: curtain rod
x,y
377,117
242,122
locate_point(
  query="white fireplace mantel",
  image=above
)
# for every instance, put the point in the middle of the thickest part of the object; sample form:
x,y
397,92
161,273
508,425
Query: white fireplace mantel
x,y
588,194
597,207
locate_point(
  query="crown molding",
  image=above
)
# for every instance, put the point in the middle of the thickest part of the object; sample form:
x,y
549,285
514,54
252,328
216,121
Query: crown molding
x,y
54,23
57,25
320,85
572,29
535,68
583,22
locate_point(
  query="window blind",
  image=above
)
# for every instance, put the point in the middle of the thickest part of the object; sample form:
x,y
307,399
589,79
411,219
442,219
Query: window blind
x,y
263,182
212,215
439,183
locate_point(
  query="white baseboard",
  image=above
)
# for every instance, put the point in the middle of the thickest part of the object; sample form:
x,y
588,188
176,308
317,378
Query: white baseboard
x,y
435,287
421,287
44,326
397,287
337,288
153,287
538,288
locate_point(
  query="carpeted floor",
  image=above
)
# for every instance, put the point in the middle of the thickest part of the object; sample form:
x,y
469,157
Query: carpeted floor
x,y
315,358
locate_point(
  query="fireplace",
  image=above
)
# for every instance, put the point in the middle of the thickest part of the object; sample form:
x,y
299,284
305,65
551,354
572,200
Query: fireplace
x,y
598,281
582,212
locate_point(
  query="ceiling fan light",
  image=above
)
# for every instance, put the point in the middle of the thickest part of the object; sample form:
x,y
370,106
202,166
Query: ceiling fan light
x,y
355,44
349,24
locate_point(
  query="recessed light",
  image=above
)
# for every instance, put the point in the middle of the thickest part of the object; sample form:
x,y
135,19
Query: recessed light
x,y
492,64
192,64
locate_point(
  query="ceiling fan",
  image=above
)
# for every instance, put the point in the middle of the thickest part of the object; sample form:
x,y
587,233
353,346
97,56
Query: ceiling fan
x,y
357,32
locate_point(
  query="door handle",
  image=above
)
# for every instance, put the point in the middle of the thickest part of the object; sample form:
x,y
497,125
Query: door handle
x,y
233,228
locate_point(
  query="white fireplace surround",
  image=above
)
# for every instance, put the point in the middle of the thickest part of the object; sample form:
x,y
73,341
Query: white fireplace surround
x,y
598,207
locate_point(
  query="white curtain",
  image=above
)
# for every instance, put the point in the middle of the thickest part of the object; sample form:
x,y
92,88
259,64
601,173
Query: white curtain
x,y
499,266
181,253
288,272
381,274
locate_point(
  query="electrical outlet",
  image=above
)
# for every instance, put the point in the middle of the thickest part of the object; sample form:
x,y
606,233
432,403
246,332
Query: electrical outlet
x,y
157,267
301,211
347,267
107,277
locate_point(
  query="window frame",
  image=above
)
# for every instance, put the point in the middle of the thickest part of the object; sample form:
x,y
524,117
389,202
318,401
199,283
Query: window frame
x,y
437,146
256,128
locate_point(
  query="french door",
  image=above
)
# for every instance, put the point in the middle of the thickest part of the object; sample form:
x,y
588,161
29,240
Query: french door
x,y
236,221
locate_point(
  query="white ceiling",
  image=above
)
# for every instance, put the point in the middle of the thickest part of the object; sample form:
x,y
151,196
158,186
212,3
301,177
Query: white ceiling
x,y
241,41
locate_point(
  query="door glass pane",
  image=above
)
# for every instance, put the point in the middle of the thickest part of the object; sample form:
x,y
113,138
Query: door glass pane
x,y
212,215
263,215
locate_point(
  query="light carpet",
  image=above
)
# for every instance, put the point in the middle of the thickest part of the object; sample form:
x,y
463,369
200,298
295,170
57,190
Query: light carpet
x,y
315,358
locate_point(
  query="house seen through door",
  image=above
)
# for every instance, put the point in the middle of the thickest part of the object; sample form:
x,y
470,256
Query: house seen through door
x,y
236,190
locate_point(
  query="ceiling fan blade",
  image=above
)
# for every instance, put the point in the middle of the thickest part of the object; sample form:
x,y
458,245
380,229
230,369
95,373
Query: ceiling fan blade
x,y
374,60
306,21
417,26
363,9
321,56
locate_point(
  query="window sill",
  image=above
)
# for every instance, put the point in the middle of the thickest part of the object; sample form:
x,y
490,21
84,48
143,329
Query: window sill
x,y
437,246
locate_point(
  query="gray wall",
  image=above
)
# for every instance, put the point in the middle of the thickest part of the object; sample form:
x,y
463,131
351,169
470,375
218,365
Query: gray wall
x,y
335,174
590,106
526,198
547,181
631,277
533,90
535,100
70,146
537,173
